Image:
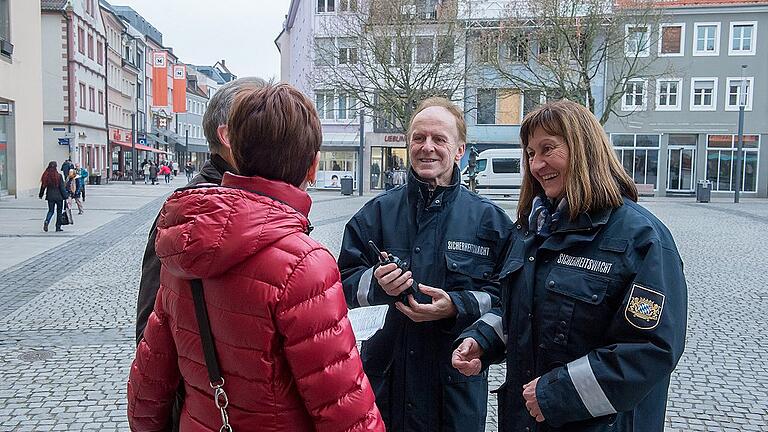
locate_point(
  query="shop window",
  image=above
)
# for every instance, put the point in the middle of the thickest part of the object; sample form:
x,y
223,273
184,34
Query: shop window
x,y
672,40
639,154
721,157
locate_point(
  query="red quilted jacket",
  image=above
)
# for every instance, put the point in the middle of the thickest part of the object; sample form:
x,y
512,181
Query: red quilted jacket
x,y
277,313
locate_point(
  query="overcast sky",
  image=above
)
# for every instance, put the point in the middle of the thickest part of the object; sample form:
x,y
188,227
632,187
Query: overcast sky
x,y
201,32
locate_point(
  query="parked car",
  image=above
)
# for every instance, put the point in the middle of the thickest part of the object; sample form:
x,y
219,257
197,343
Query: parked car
x,y
499,172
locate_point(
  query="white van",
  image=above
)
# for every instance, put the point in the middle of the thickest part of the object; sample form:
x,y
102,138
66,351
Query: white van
x,y
499,172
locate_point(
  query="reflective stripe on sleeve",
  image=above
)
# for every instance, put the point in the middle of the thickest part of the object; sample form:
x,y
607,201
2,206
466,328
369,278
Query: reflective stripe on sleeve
x,y
483,301
364,287
589,389
494,321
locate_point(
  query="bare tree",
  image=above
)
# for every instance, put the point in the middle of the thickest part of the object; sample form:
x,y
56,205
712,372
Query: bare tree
x,y
589,51
387,55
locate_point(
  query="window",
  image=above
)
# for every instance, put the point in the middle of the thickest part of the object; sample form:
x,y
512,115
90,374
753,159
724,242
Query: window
x,y
324,104
91,99
445,48
324,6
721,152
499,106
739,91
100,52
518,48
742,38
672,40
403,52
639,154
101,102
5,21
347,5
506,166
638,40
531,99
488,48
668,94
347,51
424,50
706,39
634,95
324,51
383,51
90,46
703,94
82,95
81,40
347,107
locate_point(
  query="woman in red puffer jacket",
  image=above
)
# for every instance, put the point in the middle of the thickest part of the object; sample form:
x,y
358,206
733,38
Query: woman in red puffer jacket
x,y
273,295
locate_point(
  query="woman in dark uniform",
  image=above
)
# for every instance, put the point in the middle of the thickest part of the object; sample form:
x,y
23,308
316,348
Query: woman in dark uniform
x,y
594,299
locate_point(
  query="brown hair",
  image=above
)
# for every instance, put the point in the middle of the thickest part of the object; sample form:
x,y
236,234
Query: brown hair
x,y
595,179
442,102
274,133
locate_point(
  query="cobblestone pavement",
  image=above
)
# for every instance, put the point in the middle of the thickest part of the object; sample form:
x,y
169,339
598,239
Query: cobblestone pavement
x,y
66,342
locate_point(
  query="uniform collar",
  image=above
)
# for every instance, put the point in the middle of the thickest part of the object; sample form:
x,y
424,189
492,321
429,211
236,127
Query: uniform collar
x,y
419,190
585,221
283,192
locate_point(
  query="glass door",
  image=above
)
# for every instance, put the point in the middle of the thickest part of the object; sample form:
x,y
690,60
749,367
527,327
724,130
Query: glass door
x,y
681,175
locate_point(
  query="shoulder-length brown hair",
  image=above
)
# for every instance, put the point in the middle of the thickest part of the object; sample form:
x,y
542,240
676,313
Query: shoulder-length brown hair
x,y
596,179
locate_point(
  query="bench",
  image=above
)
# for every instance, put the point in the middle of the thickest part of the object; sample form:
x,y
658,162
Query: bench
x,y
644,189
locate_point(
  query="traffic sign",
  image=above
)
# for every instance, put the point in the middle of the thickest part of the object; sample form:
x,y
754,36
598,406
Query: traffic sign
x,y
64,141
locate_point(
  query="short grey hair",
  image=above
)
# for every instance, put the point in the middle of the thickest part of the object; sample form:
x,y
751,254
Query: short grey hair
x,y
218,108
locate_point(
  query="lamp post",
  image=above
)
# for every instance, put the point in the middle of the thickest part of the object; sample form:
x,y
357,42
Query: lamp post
x,y
361,154
743,88
133,148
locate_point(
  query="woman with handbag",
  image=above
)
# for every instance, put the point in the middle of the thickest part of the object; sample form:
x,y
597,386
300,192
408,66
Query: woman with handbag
x,y
73,190
250,313
52,185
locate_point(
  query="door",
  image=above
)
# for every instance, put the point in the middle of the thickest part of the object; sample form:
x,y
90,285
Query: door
x,y
681,173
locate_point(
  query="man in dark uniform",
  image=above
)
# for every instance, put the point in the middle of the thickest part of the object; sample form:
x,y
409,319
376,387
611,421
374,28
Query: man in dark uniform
x,y
453,241
594,301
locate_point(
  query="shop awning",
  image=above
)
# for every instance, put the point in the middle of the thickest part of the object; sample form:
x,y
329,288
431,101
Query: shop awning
x,y
341,139
139,147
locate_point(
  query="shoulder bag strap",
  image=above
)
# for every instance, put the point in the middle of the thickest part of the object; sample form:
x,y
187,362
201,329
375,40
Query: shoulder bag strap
x,y
209,351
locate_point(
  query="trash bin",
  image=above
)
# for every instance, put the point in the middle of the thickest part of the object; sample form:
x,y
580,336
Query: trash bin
x,y
346,186
703,191
97,179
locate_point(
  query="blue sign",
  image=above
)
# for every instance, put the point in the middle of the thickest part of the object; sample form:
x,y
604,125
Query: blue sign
x,y
142,141
59,129
64,141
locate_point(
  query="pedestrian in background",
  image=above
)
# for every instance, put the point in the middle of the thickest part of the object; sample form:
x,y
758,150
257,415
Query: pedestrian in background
x,y
595,309
52,185
165,171
189,170
175,168
73,191
153,170
82,174
65,167
146,168
454,242
272,337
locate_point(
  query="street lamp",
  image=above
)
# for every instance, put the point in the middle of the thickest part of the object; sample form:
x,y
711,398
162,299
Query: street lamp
x,y
133,149
743,88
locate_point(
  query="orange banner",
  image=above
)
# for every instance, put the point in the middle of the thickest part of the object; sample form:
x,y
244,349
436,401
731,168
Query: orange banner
x,y
179,88
159,79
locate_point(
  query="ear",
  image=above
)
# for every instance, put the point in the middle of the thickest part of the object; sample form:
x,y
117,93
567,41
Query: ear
x,y
312,173
223,133
460,152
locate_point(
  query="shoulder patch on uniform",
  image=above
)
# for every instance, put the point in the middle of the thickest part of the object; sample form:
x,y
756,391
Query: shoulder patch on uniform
x,y
644,307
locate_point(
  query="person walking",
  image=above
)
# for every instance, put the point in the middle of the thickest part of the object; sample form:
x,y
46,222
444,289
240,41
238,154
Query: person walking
x,y
65,167
593,320
189,169
52,186
165,171
153,170
73,191
146,168
175,166
269,322
82,174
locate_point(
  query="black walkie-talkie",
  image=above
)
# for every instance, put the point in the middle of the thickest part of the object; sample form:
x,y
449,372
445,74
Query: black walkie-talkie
x,y
392,259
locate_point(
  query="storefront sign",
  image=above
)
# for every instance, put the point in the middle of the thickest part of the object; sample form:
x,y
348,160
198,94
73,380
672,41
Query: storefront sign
x,y
121,135
386,140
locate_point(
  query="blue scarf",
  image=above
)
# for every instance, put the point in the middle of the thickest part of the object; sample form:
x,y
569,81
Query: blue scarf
x,y
542,218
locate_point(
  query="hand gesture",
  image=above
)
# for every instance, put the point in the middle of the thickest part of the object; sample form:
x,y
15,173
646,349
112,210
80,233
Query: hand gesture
x,y
466,358
441,306
531,403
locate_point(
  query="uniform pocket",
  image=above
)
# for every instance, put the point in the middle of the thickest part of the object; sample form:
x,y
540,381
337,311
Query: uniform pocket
x,y
464,267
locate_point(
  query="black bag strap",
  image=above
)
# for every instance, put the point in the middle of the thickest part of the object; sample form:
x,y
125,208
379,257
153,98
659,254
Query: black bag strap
x,y
209,350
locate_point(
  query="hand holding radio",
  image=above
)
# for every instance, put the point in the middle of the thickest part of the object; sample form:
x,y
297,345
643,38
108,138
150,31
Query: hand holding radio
x,y
393,274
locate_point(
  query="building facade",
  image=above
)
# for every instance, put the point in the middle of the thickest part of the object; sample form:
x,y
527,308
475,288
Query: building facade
x,y
682,124
191,124
21,98
74,71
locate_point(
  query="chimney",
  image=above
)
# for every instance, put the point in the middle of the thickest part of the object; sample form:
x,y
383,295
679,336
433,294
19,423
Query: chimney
x,y
223,63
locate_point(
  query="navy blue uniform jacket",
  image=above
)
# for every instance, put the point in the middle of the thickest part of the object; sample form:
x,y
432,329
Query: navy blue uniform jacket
x,y
598,311
453,240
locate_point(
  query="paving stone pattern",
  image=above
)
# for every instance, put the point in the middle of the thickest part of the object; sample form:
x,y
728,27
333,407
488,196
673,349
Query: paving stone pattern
x,y
66,332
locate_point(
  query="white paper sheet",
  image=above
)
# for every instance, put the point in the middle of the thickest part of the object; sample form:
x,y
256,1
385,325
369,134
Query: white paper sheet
x,y
366,321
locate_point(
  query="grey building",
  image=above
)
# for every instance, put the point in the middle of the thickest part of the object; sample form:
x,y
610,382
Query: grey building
x,y
681,124
191,124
